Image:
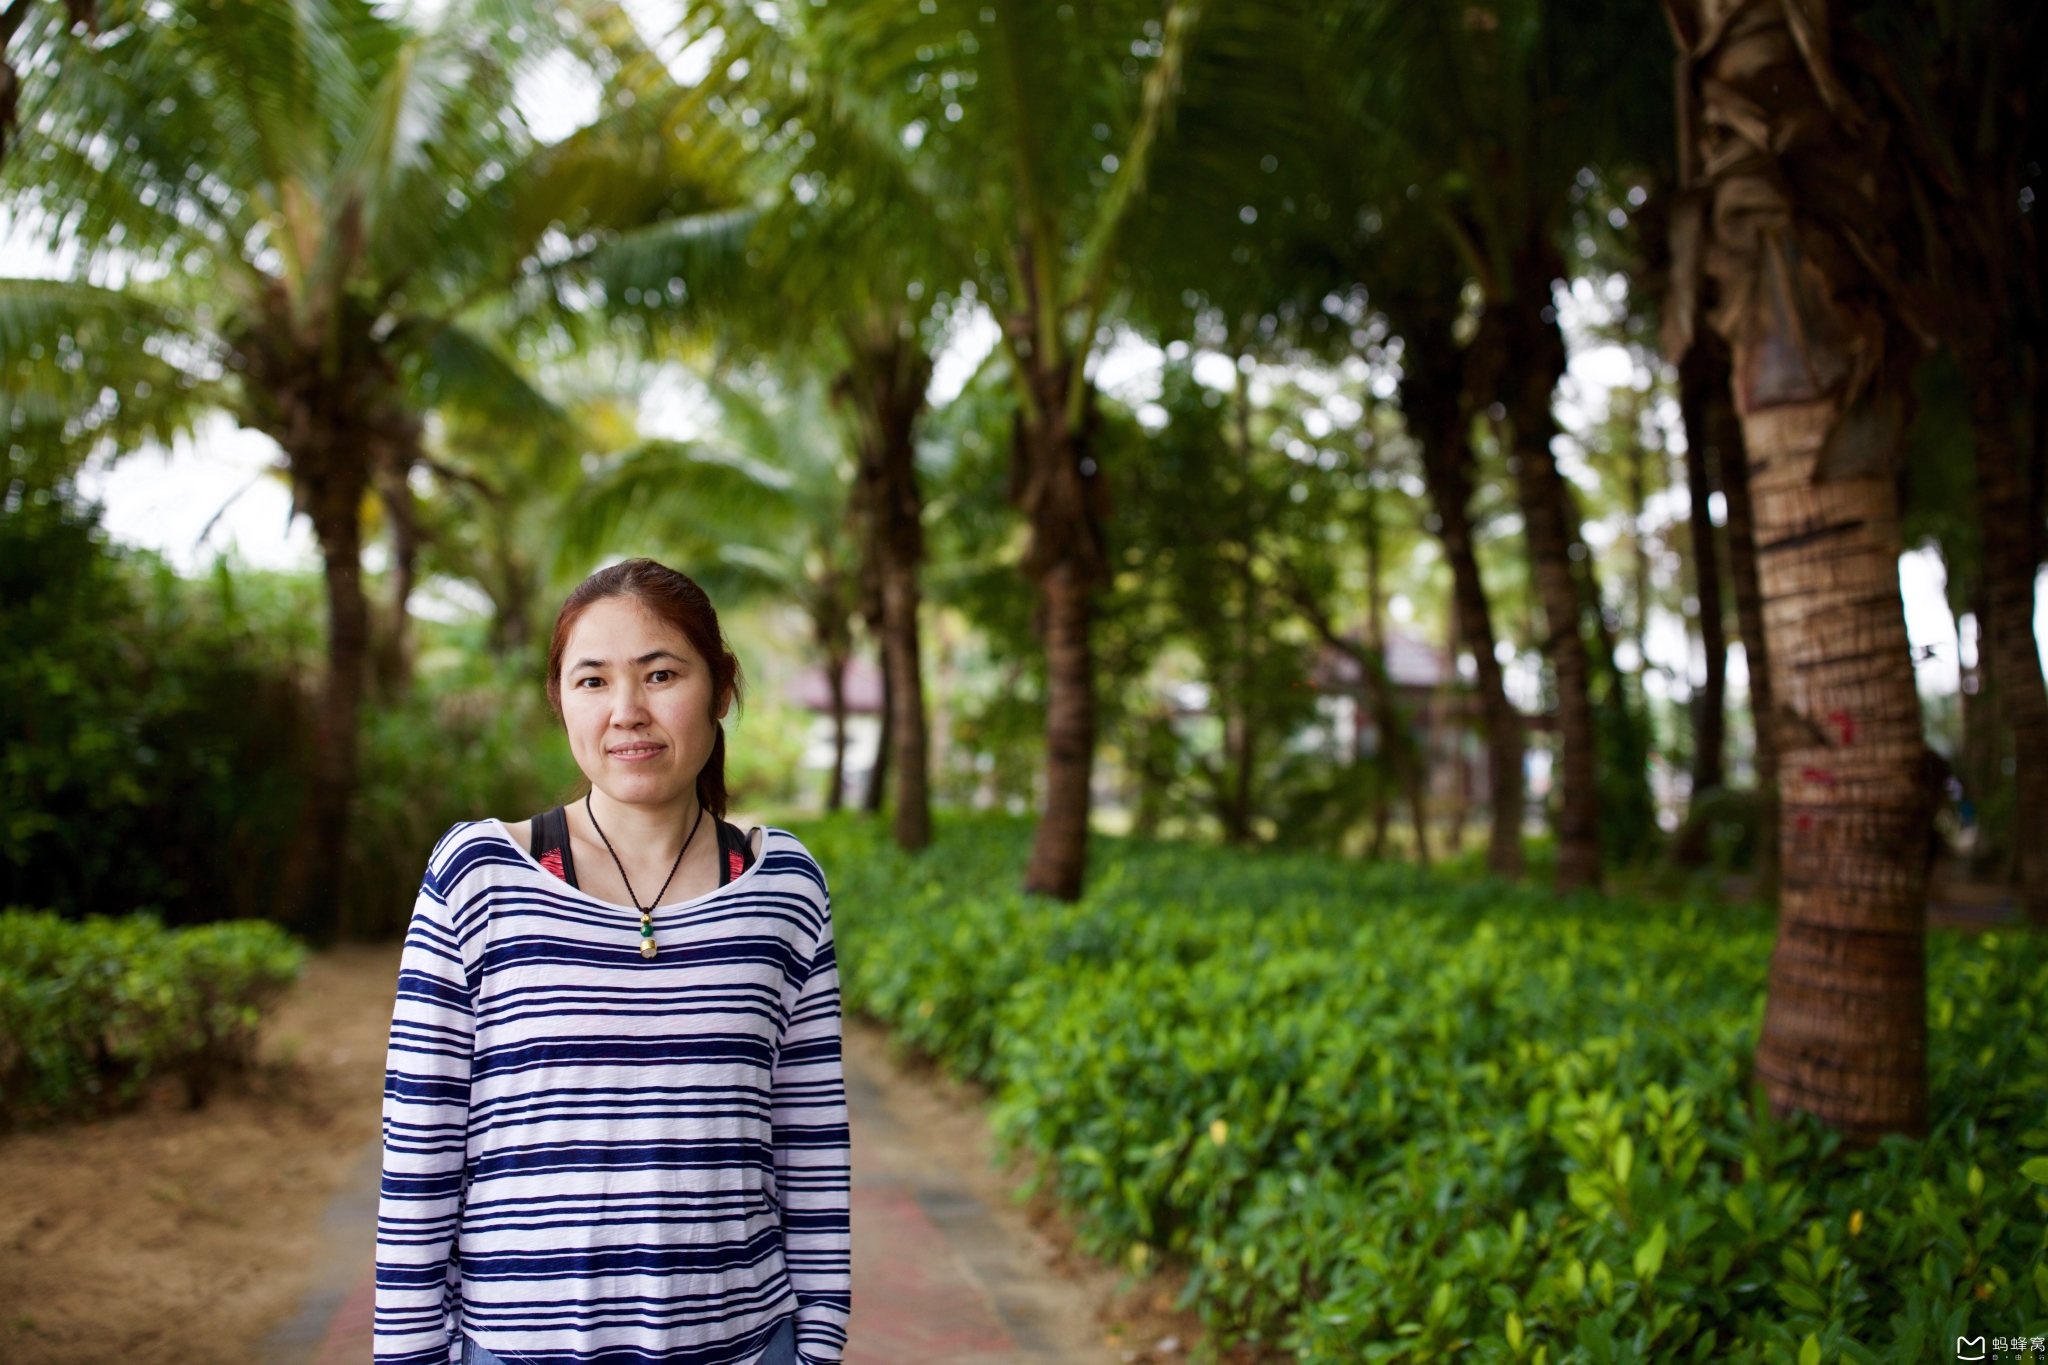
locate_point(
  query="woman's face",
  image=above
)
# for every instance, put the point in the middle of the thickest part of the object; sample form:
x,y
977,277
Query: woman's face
x,y
637,701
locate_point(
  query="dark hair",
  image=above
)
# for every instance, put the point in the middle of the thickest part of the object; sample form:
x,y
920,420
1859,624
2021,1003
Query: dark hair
x,y
677,600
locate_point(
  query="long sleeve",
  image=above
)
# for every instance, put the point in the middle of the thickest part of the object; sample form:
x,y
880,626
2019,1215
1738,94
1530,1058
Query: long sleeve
x,y
808,1099
426,1123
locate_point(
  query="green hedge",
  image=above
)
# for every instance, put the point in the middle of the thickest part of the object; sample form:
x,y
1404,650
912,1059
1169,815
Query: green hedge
x,y
1380,1115
92,1010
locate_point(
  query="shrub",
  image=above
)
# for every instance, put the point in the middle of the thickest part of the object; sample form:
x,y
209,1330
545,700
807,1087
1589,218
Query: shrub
x,y
471,739
1383,1115
153,730
92,1010
156,733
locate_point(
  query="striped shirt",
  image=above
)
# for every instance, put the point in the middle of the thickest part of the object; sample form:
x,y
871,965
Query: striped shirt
x,y
591,1157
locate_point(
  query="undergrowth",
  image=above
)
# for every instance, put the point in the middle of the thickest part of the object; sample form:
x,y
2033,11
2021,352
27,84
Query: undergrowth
x,y
92,1011
1379,1114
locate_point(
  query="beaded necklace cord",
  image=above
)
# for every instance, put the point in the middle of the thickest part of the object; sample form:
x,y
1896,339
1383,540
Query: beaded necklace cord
x,y
647,948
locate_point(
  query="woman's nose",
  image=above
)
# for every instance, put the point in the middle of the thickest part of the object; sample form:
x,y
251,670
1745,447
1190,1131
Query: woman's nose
x,y
629,708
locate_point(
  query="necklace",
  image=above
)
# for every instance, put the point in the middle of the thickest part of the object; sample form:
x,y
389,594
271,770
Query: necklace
x,y
647,910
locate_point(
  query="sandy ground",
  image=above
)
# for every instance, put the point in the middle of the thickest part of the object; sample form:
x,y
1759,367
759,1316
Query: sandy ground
x,y
171,1237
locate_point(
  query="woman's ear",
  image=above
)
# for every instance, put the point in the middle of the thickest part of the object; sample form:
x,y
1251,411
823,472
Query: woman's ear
x,y
724,704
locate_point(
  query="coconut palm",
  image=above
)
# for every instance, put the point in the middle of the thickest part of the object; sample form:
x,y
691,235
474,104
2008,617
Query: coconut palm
x,y
1796,196
778,279
1971,82
1014,137
306,211
1534,108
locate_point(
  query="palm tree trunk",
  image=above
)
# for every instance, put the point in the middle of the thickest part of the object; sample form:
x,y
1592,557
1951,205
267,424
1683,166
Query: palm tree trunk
x,y
334,503
906,721
1059,851
394,490
1820,358
876,792
1054,479
1844,1034
2006,627
835,686
1708,412
886,381
1537,349
1437,405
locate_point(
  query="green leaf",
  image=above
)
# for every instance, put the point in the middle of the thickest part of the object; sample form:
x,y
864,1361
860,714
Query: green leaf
x,y
2036,1170
1650,1255
1800,1297
1809,1350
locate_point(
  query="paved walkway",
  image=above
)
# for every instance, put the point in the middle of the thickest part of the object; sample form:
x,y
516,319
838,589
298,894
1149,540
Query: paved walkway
x,y
946,1270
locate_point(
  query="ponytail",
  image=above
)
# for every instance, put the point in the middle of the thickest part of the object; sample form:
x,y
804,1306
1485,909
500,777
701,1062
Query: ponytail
x,y
711,779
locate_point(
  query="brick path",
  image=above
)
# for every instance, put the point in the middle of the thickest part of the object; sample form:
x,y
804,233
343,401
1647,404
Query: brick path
x,y
946,1271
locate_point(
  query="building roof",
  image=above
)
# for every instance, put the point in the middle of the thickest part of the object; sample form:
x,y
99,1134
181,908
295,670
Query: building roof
x,y
810,690
1412,662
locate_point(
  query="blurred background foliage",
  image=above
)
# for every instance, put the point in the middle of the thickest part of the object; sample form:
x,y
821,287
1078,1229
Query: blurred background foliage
x,y
1250,207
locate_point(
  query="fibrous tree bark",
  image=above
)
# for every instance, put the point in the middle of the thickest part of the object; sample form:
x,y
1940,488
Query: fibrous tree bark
x,y
1525,327
1788,196
885,382
1056,483
836,705
393,474
1438,401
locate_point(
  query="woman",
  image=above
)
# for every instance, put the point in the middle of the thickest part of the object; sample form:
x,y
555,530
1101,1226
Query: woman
x,y
614,1115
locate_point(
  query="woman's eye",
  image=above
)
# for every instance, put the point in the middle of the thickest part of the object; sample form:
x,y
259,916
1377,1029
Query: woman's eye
x,y
590,682
660,675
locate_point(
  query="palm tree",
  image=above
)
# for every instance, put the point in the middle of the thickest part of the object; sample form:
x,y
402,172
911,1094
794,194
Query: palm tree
x,y
820,271
1972,85
1014,136
1278,199
45,39
1793,195
309,209
1480,118
1446,387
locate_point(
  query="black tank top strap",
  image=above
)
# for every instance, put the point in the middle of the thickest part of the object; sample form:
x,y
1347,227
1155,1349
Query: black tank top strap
x,y
551,844
735,852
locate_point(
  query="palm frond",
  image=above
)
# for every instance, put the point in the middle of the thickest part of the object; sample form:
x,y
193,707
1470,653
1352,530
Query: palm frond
x,y
83,368
462,370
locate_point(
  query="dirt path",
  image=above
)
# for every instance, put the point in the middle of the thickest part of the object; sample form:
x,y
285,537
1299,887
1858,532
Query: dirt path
x,y
169,1237
241,1234
947,1269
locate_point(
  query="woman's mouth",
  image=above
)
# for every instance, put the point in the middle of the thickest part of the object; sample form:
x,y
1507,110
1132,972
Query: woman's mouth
x,y
637,753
